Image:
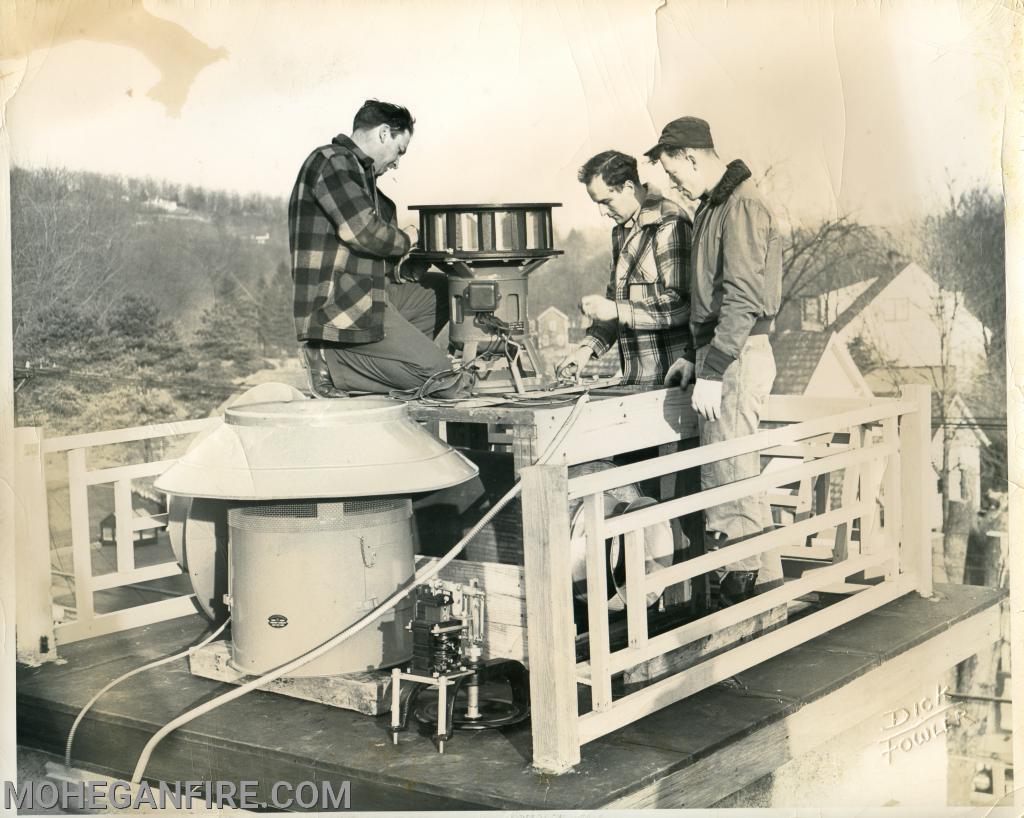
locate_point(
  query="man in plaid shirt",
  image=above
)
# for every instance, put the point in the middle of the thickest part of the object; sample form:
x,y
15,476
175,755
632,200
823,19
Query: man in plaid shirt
x,y
361,325
646,307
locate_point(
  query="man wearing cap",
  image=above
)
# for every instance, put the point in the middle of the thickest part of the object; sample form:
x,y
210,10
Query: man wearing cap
x,y
735,290
361,325
645,306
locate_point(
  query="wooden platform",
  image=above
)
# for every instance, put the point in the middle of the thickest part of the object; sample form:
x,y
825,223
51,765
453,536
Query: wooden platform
x,y
367,692
692,754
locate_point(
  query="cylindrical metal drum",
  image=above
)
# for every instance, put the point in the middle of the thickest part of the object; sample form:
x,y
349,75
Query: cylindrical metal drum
x,y
301,572
487,230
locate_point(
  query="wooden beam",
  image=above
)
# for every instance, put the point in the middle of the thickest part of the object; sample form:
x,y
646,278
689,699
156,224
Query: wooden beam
x,y
95,477
126,618
712,778
661,694
81,541
812,580
597,606
741,488
550,632
688,459
915,450
705,563
129,435
32,539
124,534
161,570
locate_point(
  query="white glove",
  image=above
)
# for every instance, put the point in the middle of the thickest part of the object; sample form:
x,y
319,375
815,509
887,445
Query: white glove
x,y
707,399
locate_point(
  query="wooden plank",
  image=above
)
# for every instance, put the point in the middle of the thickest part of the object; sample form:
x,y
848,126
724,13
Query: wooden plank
x,y
688,459
150,522
717,775
104,582
125,534
552,650
367,692
687,656
643,420
122,620
34,614
747,548
661,694
129,435
851,483
81,541
915,450
793,408
733,615
597,607
636,589
96,477
740,488
893,506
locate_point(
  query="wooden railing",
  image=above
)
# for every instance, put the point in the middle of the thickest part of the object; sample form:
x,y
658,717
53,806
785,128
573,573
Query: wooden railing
x,y
881,449
878,529
37,632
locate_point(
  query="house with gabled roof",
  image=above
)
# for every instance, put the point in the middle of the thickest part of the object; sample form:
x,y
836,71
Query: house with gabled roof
x,y
904,318
816,363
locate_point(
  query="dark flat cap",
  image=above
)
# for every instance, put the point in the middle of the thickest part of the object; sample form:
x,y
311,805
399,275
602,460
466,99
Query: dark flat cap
x,y
685,132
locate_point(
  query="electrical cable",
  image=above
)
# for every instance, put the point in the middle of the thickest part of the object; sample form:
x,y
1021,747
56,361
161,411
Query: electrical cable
x,y
418,579
128,675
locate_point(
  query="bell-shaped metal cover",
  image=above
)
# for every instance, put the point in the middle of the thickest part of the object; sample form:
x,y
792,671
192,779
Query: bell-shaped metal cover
x,y
355,447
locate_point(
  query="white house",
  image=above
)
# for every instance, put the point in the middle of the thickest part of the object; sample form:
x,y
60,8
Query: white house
x,y
817,364
552,329
965,438
905,319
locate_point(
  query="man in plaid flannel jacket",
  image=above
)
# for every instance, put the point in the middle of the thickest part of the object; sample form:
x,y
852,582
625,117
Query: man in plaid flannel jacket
x,y
361,325
646,307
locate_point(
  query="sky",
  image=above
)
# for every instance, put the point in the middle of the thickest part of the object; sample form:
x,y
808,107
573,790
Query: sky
x,y
868,109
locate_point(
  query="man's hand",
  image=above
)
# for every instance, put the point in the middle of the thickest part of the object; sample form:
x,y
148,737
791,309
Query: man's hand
x,y
413,232
680,373
599,308
573,364
707,399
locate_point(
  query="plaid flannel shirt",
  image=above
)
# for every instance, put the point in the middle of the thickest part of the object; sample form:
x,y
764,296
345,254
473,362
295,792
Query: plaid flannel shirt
x,y
344,241
650,275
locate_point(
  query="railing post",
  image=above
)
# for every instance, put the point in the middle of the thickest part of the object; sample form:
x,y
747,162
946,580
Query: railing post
x,y
34,614
916,475
549,620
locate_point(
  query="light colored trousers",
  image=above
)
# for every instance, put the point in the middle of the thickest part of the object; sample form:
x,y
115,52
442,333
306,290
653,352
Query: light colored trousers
x,y
745,387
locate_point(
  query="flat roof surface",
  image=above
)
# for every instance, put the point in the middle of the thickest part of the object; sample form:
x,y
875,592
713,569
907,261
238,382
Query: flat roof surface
x,y
268,737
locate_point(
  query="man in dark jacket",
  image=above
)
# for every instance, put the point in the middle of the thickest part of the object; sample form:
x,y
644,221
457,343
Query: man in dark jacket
x,y
735,289
362,326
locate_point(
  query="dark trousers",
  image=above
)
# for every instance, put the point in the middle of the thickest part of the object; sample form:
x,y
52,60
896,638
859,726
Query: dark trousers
x,y
407,354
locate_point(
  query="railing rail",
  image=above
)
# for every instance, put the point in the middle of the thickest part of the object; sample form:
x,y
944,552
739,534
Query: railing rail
x,y
37,631
872,445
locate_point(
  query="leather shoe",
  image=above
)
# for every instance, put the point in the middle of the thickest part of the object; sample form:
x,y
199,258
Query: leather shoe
x,y
736,587
320,382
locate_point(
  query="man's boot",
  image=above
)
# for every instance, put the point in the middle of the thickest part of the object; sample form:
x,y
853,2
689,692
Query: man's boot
x,y
320,382
736,587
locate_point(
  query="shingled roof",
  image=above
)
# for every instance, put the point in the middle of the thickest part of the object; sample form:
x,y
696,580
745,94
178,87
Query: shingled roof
x,y
797,354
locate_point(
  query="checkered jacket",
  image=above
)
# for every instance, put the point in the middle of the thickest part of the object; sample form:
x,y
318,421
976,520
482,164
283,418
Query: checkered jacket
x,y
344,241
650,276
